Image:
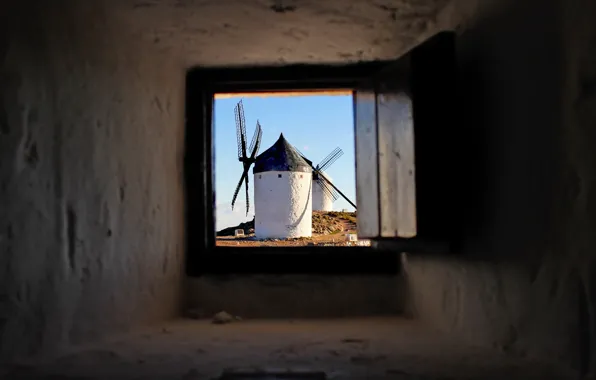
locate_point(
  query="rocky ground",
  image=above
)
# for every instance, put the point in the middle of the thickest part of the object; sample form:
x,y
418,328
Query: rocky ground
x,y
330,228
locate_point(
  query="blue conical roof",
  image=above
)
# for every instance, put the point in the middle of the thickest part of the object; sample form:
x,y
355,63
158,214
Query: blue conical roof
x,y
283,157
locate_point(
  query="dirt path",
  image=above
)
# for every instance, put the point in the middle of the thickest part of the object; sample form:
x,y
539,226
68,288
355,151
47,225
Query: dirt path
x,y
349,225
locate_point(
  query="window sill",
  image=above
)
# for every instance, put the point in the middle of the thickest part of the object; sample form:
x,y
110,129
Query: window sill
x,y
295,260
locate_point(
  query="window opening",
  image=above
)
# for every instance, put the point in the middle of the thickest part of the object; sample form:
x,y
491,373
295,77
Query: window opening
x,y
387,97
305,142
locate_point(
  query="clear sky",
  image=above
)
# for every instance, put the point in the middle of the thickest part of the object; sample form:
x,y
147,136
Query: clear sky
x,y
314,124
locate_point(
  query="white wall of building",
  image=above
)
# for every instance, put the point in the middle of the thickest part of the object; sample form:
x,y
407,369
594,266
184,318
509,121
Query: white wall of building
x,y
321,201
283,204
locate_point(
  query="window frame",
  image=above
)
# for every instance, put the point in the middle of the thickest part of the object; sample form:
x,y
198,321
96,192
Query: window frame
x,y
202,256
432,77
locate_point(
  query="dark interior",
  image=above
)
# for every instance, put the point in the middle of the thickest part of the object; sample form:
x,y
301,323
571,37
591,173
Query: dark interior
x,y
106,270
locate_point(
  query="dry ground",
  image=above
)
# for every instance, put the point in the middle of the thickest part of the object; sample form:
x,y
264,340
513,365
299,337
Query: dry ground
x,y
329,228
352,348
337,239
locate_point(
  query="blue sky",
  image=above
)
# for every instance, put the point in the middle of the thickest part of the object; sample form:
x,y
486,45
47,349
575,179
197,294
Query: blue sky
x,y
314,124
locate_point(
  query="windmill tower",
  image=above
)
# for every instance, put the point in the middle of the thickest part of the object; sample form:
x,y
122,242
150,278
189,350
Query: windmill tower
x,y
324,191
246,160
323,194
283,193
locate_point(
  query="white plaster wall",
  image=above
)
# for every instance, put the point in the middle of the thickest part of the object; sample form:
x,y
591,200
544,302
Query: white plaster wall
x,y
321,201
524,279
331,31
91,115
283,206
91,197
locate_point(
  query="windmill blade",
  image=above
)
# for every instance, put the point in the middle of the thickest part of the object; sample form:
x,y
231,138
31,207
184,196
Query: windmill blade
x,y
240,129
324,189
256,141
328,156
243,124
327,182
327,162
259,139
244,174
247,199
332,193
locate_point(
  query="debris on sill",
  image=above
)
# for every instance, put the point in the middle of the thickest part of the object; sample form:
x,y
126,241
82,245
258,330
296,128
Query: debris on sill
x,y
224,317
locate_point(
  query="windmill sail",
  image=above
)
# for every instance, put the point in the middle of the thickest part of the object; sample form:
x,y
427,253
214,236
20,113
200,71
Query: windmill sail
x,y
243,157
255,144
327,182
330,159
240,130
328,188
237,190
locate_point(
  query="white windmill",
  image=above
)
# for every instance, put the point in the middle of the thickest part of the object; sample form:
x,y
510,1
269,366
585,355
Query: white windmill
x,y
324,192
285,184
283,193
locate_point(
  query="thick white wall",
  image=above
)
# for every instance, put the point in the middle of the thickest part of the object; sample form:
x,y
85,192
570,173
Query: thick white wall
x,y
321,201
91,212
525,278
283,206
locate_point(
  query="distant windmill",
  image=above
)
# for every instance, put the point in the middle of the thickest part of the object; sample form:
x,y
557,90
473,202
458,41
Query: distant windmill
x,y
253,148
324,192
323,195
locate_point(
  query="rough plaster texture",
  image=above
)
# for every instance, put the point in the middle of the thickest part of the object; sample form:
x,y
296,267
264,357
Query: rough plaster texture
x,y
91,225
241,32
321,200
283,204
90,141
524,280
90,186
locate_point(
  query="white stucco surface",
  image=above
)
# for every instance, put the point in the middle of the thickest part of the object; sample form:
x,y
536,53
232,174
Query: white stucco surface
x,y
283,206
321,201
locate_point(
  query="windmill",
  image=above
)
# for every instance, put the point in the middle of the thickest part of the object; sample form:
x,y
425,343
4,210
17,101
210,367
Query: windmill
x,y
243,157
322,183
323,194
283,192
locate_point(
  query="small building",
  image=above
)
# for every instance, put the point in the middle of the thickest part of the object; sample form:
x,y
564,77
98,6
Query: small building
x,y
282,193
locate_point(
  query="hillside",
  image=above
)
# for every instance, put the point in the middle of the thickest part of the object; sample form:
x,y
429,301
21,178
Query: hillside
x,y
323,223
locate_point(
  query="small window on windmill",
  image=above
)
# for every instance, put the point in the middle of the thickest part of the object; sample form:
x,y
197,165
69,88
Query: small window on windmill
x,y
296,201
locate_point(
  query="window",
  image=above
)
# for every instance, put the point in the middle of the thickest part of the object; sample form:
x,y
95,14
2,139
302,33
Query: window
x,y
406,152
305,140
